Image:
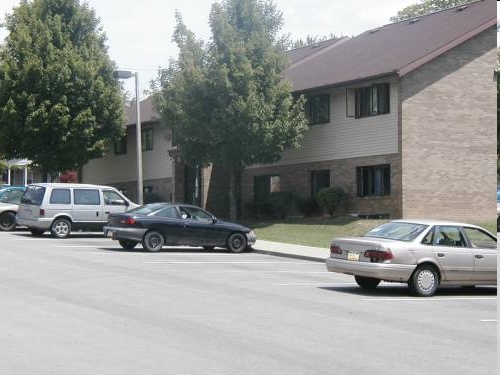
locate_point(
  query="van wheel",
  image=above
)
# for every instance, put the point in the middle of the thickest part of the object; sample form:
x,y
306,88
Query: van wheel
x,y
7,221
61,228
153,241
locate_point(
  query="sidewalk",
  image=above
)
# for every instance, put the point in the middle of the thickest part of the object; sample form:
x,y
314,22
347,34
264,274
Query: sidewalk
x,y
317,254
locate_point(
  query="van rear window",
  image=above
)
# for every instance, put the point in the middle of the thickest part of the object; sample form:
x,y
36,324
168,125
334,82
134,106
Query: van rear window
x,y
33,195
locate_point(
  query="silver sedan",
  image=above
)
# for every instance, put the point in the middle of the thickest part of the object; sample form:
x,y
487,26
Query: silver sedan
x,y
422,253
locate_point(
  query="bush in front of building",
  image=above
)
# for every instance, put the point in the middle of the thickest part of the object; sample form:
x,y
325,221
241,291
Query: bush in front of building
x,y
281,202
307,207
277,206
330,198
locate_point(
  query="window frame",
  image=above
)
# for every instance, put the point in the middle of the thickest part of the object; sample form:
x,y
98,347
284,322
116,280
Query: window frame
x,y
269,180
121,145
314,182
373,100
312,113
147,139
370,178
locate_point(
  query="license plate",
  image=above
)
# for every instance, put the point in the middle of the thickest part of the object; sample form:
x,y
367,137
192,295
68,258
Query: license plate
x,y
353,256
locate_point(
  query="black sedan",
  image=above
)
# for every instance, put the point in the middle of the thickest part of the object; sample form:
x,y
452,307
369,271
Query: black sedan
x,y
159,224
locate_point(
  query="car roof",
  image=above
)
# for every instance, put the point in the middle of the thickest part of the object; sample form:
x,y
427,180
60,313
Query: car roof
x,y
12,187
434,222
71,185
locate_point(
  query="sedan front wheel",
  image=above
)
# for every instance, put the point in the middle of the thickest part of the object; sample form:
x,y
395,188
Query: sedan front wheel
x,y
153,241
237,242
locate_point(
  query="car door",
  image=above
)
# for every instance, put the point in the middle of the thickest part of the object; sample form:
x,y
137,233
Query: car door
x,y
170,223
484,249
199,228
87,208
113,203
452,253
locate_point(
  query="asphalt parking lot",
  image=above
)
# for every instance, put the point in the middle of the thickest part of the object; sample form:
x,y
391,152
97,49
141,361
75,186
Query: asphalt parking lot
x,y
85,306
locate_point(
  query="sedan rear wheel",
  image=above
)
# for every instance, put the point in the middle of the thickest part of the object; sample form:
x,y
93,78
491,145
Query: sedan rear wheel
x,y
153,241
127,245
36,232
237,242
7,221
61,228
424,281
367,282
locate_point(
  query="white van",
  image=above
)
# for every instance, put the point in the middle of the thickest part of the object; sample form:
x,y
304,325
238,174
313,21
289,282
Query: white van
x,y
61,207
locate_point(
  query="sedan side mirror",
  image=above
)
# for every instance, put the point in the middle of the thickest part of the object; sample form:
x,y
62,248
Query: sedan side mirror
x,y
214,220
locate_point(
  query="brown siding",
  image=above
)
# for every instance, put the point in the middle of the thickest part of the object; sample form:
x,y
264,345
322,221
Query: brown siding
x,y
448,134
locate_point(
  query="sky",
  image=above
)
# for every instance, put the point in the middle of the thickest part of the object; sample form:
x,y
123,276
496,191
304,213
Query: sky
x,y
139,33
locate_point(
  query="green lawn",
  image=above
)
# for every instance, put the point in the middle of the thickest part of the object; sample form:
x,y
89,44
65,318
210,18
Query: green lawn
x,y
319,232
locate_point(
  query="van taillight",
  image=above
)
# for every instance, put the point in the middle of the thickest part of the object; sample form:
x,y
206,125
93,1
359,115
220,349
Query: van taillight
x,y
378,255
42,212
334,249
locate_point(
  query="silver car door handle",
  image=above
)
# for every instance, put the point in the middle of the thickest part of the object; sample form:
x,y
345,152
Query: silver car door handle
x,y
441,255
479,256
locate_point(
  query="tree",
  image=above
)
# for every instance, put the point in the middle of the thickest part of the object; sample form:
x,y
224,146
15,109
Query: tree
x,y
59,102
426,7
227,101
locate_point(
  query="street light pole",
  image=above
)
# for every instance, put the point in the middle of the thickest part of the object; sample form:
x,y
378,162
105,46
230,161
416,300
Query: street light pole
x,y
125,74
139,141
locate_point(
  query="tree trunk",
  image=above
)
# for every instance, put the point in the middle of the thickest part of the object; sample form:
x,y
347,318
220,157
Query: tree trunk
x,y
232,195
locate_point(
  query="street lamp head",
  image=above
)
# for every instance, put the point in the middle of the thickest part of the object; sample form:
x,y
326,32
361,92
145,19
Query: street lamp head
x,y
123,74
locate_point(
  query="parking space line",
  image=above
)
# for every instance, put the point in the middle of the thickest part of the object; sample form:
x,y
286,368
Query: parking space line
x,y
218,262
488,320
433,299
316,284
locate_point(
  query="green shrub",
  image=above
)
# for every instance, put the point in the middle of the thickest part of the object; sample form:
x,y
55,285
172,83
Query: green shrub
x,y
330,198
281,202
307,206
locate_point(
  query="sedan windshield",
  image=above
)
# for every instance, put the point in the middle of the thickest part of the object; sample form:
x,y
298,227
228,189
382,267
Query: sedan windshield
x,y
397,231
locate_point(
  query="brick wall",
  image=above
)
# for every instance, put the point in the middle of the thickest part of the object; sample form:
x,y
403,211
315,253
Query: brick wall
x,y
296,179
448,134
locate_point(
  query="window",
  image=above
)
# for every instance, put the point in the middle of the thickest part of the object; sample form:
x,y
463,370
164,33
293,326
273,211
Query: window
x,y
34,195
60,196
113,198
169,212
263,186
86,196
319,180
147,139
196,213
370,101
374,180
121,146
318,109
480,239
449,236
